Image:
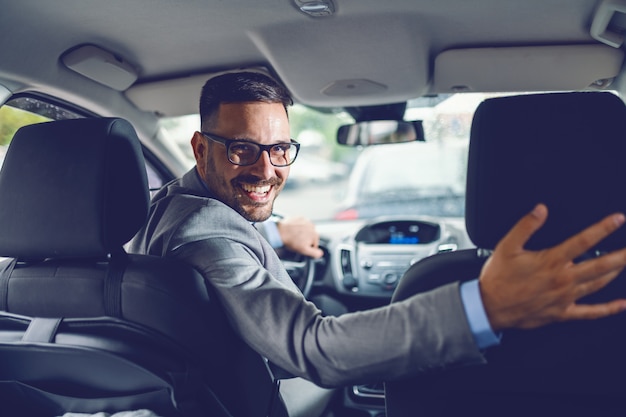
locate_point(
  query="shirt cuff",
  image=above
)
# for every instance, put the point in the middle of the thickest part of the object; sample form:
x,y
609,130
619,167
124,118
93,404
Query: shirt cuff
x,y
272,234
476,316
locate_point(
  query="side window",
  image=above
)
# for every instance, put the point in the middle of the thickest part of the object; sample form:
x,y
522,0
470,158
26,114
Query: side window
x,y
27,110
23,111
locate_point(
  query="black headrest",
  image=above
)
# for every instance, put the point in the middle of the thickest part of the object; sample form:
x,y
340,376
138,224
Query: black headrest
x,y
566,150
72,188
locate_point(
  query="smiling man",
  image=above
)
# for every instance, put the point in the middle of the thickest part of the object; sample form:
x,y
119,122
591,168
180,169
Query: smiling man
x,y
243,156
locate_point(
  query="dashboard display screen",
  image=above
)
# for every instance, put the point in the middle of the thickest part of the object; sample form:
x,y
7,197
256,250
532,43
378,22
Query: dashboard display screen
x,y
399,233
408,236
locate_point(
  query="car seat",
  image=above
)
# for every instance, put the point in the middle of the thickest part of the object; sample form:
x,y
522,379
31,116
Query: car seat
x,y
568,151
86,327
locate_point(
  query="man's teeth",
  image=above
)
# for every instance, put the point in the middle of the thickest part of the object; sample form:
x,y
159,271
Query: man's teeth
x,y
256,189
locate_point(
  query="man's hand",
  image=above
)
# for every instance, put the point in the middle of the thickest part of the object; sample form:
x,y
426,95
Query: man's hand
x,y
299,235
526,289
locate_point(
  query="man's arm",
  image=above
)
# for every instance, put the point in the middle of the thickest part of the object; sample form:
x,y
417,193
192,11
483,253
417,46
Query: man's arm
x,y
299,235
424,332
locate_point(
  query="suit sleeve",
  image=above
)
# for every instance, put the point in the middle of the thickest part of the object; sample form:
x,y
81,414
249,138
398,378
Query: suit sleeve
x,y
425,332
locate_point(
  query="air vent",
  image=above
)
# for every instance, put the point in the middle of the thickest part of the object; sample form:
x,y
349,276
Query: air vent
x,y
346,263
348,280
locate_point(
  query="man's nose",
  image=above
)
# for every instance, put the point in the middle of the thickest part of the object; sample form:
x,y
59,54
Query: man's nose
x,y
264,166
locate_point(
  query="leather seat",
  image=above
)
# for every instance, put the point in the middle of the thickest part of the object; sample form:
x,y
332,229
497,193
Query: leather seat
x,y
86,327
567,150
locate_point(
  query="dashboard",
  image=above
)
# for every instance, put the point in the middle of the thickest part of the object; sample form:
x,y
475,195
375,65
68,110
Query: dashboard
x,y
368,258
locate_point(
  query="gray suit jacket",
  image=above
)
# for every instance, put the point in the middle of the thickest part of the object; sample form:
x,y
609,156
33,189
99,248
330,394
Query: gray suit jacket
x,y
268,311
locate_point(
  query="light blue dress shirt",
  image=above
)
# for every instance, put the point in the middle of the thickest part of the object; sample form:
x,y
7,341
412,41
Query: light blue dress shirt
x,y
476,315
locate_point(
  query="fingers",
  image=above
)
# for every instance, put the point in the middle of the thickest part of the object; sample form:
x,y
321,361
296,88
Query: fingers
x,y
583,241
594,311
593,269
517,237
594,283
591,311
570,249
316,240
308,247
313,252
299,235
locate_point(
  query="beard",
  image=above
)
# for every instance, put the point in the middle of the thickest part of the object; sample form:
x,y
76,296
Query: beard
x,y
233,195
254,212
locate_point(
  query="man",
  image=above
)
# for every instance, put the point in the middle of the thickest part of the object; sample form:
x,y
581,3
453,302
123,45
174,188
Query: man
x,y
206,218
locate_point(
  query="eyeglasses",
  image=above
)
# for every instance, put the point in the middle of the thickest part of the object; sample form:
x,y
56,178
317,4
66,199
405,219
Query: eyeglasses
x,y
244,152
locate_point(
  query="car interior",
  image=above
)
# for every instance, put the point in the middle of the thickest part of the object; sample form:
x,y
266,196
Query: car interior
x,y
426,129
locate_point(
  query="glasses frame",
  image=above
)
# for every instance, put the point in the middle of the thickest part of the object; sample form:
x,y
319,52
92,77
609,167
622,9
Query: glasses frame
x,y
228,142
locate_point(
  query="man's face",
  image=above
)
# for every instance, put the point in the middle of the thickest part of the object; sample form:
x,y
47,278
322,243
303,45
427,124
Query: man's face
x,y
250,190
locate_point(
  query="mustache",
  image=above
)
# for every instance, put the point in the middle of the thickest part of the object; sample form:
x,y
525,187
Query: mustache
x,y
254,180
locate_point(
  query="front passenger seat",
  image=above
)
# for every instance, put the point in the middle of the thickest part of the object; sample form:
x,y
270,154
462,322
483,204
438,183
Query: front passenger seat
x,y
86,327
567,150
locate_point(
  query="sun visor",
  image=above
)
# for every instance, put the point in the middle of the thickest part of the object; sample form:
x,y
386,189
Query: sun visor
x,y
534,68
178,96
168,98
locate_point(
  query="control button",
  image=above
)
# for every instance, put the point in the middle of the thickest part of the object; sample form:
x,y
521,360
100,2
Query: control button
x,y
390,278
373,277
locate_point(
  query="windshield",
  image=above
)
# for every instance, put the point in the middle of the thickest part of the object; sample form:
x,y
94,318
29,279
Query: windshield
x,y
332,181
412,168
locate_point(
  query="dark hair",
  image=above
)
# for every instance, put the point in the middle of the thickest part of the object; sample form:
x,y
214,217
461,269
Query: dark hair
x,y
239,87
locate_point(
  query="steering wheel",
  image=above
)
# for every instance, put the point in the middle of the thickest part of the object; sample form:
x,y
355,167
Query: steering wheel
x,y
300,268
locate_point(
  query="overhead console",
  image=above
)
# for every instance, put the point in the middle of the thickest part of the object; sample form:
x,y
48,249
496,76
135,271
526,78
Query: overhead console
x,y
373,261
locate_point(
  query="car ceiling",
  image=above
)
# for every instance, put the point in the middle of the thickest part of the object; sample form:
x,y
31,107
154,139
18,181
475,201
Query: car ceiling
x,y
368,52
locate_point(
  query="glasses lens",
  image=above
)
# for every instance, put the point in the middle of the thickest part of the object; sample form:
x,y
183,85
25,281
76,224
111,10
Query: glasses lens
x,y
283,154
243,153
247,153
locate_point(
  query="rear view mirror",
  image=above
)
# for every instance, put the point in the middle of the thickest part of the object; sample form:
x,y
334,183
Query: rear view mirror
x,y
376,132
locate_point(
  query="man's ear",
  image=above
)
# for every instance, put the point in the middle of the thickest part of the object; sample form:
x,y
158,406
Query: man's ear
x,y
199,146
